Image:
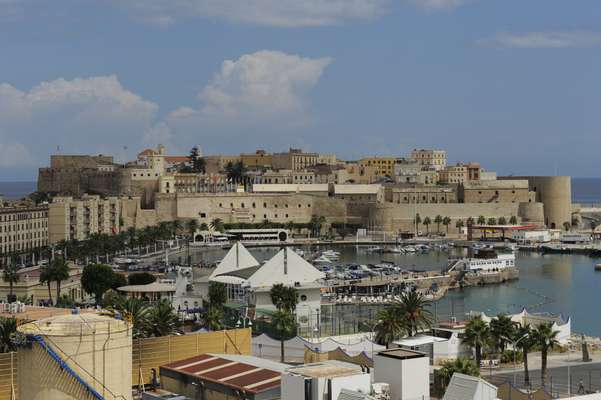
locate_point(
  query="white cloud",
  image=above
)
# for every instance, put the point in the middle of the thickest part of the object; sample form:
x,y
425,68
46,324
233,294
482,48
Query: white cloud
x,y
436,5
260,85
280,13
549,40
83,115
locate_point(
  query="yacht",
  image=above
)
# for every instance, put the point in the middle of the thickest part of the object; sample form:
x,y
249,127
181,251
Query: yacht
x,y
486,260
322,260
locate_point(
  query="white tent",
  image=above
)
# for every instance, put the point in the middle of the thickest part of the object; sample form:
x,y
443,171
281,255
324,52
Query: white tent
x,y
236,259
287,268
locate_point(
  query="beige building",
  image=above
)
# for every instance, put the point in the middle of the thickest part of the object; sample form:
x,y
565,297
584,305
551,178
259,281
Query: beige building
x,y
70,219
435,159
498,191
420,195
23,228
260,159
294,159
453,175
217,163
30,287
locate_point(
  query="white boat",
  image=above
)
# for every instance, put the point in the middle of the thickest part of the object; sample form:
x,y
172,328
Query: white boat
x,y
409,249
393,250
300,252
322,260
374,249
331,254
597,267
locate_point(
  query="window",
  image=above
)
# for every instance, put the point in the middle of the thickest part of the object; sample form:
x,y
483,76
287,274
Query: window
x,y
303,297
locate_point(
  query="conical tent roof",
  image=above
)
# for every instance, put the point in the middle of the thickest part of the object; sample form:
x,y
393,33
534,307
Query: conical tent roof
x,y
287,268
236,259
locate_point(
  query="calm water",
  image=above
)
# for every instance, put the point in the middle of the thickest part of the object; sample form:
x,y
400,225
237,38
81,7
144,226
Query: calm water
x,y
557,284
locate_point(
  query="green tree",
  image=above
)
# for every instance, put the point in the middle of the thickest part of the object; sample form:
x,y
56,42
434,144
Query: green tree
x,y
141,278
438,221
136,312
567,226
162,320
477,335
10,275
217,294
8,332
192,227
545,339
513,220
59,271
47,278
524,341
502,221
417,220
204,226
461,365
492,221
459,224
446,221
390,326
284,297
213,318
97,279
217,225
316,223
236,172
414,308
481,220
502,329
284,325
197,161
119,280
427,222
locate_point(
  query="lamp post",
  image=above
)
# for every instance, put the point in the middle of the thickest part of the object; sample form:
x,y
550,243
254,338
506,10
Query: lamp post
x,y
373,334
513,345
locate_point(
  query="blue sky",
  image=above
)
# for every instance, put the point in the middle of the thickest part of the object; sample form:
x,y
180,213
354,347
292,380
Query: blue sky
x,y
513,84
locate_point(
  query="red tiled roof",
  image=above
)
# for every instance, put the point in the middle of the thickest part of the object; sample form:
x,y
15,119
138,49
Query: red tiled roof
x,y
147,152
233,374
177,158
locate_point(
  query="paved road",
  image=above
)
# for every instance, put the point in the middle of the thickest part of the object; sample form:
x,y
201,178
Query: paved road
x,y
589,375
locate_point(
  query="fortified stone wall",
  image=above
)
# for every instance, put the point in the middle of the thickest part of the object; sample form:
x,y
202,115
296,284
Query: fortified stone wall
x,y
399,217
555,192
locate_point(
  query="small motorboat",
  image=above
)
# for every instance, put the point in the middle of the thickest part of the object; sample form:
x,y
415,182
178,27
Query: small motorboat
x,y
597,267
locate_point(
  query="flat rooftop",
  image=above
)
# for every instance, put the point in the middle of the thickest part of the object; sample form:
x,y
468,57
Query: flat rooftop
x,y
324,370
401,354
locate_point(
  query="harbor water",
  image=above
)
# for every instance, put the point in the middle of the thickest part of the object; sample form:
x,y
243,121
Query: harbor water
x,y
565,284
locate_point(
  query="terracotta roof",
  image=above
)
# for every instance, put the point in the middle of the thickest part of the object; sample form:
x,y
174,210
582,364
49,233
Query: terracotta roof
x,y
250,374
147,152
177,158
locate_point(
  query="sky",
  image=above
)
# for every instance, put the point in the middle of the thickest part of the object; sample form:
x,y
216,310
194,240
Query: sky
x,y
513,84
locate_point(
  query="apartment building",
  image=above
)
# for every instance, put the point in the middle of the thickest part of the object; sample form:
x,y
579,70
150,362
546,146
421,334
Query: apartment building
x,y
294,159
435,159
384,165
70,219
23,228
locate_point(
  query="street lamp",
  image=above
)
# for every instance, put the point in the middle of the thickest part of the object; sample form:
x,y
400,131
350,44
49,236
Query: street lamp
x,y
514,344
242,322
373,334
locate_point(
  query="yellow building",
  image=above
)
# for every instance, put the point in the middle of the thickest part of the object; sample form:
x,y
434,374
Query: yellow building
x,y
23,228
435,159
78,219
258,160
384,165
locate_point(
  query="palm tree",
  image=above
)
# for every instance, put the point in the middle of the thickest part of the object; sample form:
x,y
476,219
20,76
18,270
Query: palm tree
x,y
438,221
284,297
477,335
10,275
217,225
446,221
8,331
192,227
427,222
513,220
47,278
461,365
59,271
481,220
567,226
414,307
502,329
459,224
545,338
284,326
391,325
316,224
492,221
136,312
162,321
502,221
204,227
213,318
524,341
417,221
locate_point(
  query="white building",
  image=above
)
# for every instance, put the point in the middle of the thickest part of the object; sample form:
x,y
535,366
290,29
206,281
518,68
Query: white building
x,y
483,261
534,236
407,372
442,344
324,381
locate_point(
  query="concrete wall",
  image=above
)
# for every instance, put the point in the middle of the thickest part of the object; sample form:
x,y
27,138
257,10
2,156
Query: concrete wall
x,y
555,192
409,379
